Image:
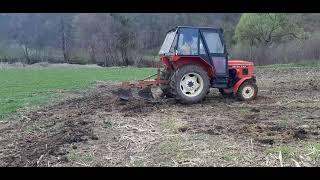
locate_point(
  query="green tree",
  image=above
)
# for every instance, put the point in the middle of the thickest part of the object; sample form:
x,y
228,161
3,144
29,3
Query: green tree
x,y
267,28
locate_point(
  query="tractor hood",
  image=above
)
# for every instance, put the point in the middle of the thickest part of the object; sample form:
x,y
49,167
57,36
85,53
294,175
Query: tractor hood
x,y
239,63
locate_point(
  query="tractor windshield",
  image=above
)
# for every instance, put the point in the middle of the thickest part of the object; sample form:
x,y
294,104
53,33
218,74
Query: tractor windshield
x,y
165,48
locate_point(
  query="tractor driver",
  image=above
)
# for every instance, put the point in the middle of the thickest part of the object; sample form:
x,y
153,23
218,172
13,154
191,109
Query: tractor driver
x,y
187,47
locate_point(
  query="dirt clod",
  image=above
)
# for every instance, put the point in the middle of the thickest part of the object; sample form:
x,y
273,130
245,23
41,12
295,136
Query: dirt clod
x,y
266,141
255,110
211,132
94,137
183,129
64,159
300,133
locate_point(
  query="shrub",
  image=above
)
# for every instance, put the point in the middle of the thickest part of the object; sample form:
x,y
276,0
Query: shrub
x,y
289,52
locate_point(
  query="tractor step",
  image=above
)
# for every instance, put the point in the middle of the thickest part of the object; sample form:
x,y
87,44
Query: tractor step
x,y
220,82
220,86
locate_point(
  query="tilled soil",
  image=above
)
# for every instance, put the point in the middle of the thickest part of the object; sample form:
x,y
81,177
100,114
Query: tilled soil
x,y
97,129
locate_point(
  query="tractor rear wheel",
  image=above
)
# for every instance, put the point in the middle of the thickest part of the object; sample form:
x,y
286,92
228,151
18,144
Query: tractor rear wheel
x,y
247,91
190,84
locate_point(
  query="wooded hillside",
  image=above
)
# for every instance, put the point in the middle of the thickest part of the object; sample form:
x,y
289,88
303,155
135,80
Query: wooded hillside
x,y
115,39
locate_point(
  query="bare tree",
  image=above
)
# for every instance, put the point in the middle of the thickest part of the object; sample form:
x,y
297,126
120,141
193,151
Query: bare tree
x,y
66,26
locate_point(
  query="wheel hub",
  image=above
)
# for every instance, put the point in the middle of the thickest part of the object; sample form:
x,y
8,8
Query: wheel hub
x,y
248,92
191,84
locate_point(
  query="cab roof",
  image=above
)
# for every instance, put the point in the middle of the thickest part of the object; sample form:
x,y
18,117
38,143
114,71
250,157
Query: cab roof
x,y
195,27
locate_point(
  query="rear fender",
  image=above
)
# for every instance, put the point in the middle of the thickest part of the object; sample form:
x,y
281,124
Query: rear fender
x,y
167,63
179,61
241,81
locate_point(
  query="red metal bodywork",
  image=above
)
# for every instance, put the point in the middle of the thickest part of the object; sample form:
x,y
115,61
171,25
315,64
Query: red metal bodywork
x,y
239,65
176,62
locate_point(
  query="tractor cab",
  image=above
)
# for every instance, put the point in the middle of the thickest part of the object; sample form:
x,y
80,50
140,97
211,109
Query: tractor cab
x,y
204,43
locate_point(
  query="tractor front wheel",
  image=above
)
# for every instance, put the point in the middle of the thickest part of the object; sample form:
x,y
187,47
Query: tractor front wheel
x,y
190,84
247,91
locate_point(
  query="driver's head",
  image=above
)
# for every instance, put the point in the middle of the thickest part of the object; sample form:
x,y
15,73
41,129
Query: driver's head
x,y
189,39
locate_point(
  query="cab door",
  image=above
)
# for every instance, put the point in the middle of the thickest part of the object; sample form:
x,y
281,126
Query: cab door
x,y
213,41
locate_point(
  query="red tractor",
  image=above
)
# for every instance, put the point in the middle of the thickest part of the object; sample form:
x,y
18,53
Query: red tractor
x,y
195,60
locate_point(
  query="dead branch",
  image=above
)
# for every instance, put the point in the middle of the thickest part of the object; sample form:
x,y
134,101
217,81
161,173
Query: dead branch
x,y
295,162
280,159
38,161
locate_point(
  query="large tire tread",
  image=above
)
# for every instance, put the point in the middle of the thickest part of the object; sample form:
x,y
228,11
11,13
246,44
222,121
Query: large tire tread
x,y
250,83
175,83
166,89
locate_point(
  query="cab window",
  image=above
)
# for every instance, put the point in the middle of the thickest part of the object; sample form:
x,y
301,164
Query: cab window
x,y
202,51
213,41
188,41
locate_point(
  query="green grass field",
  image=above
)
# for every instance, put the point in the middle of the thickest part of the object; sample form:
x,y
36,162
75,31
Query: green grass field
x,y
21,88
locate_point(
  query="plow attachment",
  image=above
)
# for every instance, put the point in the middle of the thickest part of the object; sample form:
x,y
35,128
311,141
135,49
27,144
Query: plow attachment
x,y
143,87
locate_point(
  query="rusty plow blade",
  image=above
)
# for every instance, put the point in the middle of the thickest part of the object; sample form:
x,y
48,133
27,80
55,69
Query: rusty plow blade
x,y
124,94
146,94
130,91
141,89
